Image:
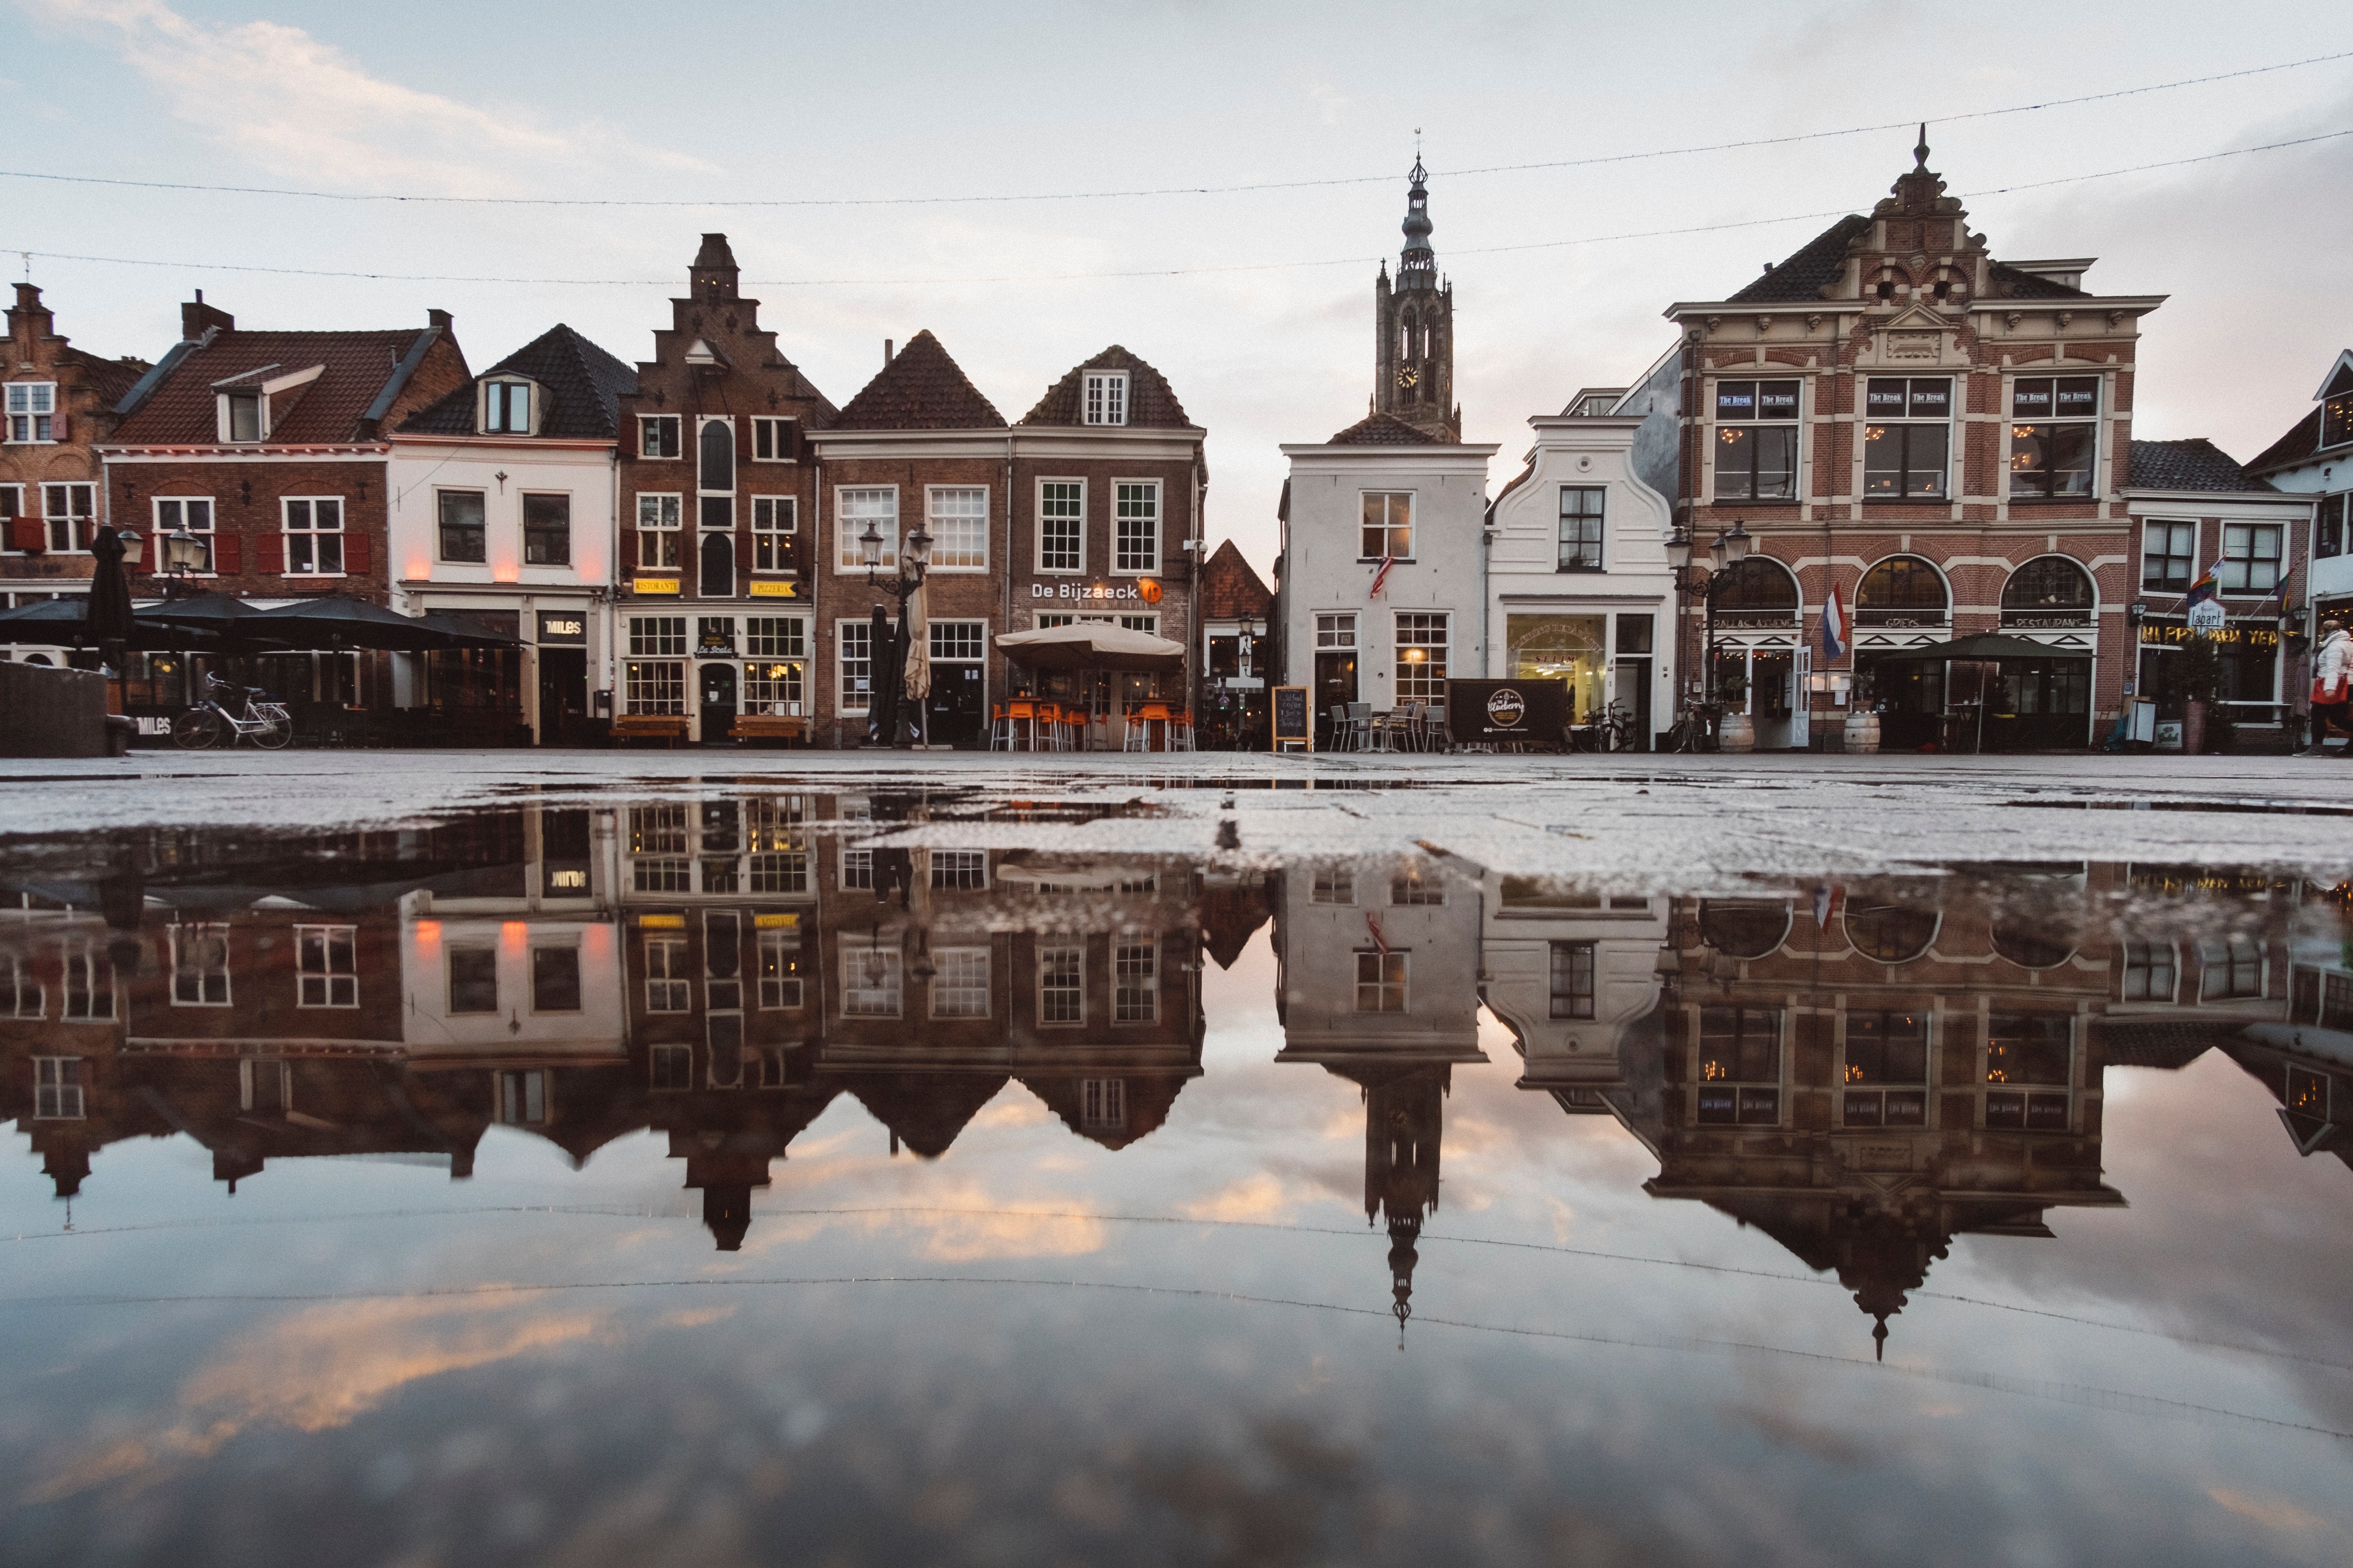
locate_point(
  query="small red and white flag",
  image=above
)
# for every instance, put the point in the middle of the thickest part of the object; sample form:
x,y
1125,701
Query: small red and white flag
x,y
1381,576
1379,941
1833,627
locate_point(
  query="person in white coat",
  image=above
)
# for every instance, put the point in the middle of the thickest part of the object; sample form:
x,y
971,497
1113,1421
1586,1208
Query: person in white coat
x,y
2332,687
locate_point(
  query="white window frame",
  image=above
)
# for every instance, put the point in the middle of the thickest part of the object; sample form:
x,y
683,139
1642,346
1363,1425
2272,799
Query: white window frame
x,y
773,433
1397,645
1381,983
935,519
55,1099
55,521
1103,397
669,984
498,390
12,505
767,530
649,423
27,997
842,632
1047,958
80,963
968,962
1136,996
667,523
2240,565
203,929
39,421
854,960
155,510
1079,567
1159,529
1387,525
1102,1104
333,987
288,533
849,556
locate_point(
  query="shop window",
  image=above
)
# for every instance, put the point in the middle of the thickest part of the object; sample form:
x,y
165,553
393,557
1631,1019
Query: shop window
x,y
1759,588
1061,525
1572,979
2049,589
2250,557
1381,982
773,686
547,531
464,536
327,966
1907,437
473,979
654,685
1886,1073
2053,435
1387,531
1755,440
1561,647
1421,658
658,532
1580,528
1136,983
1739,1070
1061,985
1900,591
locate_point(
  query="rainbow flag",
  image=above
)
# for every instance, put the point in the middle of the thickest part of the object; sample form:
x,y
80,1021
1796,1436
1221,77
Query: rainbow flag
x,y
2206,587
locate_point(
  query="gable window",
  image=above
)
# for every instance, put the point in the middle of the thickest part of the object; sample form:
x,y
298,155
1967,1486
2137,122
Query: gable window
x,y
1740,1067
191,514
658,531
1580,528
657,435
326,966
1138,517
1907,442
1886,1047
200,966
314,537
241,416
2053,434
1061,525
2329,533
464,537
506,408
1106,401
1755,440
2337,421
772,440
853,510
1334,885
959,520
32,410
57,1088
2169,555
1102,1103
1381,980
2250,557
1387,533
774,519
1410,888
547,530
1061,985
71,512
1572,979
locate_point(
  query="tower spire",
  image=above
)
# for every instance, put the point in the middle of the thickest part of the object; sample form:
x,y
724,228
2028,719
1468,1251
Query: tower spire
x,y
1920,149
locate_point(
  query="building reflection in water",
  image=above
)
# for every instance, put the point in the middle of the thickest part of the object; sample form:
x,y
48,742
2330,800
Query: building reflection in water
x,y
1862,1072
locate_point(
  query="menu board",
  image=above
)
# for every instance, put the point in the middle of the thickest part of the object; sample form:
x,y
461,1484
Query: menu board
x,y
1294,726
1507,712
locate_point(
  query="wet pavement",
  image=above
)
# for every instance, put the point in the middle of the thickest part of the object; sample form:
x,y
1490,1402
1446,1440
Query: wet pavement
x,y
1227,1163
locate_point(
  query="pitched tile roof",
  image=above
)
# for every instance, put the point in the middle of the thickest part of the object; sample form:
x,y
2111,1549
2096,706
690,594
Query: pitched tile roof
x,y
2196,464
1230,587
1383,430
360,368
1151,400
111,378
584,386
920,389
1807,269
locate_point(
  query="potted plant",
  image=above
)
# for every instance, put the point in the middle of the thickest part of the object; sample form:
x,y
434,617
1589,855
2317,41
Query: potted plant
x,y
2197,676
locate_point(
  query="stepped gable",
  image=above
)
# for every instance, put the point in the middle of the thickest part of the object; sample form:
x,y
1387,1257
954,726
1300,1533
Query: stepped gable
x,y
920,389
1383,430
363,372
2196,464
1230,587
1151,400
583,383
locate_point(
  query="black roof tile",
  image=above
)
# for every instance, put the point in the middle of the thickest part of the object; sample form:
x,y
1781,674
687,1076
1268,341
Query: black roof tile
x,y
584,387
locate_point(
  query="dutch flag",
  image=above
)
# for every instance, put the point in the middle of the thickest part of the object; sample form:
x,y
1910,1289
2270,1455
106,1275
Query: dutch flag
x,y
1833,627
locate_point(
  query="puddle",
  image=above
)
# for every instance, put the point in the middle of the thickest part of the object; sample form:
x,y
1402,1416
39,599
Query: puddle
x,y
669,1173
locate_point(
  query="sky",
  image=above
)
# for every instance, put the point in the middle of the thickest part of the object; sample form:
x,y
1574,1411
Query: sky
x,y
944,167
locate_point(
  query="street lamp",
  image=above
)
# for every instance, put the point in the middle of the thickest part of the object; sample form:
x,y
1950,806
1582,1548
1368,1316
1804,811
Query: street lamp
x,y
1726,550
184,556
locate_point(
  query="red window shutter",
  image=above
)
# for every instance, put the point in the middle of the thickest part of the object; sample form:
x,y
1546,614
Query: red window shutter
x,y
228,554
28,534
629,552
355,553
61,427
270,554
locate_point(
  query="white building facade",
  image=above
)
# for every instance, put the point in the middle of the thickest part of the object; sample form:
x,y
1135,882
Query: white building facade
x,y
1578,583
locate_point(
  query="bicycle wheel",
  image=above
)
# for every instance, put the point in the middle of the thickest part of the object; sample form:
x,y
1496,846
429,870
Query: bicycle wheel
x,y
274,735
197,728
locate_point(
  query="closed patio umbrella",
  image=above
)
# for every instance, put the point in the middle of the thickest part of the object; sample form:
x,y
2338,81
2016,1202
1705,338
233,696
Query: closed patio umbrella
x,y
108,615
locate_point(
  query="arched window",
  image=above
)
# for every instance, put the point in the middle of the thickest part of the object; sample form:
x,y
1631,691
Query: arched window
x,y
1900,591
717,445
1742,928
2033,942
718,563
2048,586
1760,585
1892,926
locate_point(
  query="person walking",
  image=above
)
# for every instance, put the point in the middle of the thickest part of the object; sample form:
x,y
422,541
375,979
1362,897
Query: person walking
x,y
2332,687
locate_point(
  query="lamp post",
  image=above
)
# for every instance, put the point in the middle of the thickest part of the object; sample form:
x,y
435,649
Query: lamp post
x,y
915,552
183,556
1727,550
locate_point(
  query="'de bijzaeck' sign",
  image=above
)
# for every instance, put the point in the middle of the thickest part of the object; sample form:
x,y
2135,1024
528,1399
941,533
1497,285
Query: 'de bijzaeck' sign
x,y
1143,590
1507,712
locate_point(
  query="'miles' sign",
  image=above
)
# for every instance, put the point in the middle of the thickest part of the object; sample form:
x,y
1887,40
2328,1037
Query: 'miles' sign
x,y
1507,712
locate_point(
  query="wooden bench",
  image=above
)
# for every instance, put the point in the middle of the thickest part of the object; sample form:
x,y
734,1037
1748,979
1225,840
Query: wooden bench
x,y
668,727
768,727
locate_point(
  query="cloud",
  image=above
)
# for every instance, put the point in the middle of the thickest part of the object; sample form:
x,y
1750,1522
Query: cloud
x,y
1259,1196
2266,1510
291,104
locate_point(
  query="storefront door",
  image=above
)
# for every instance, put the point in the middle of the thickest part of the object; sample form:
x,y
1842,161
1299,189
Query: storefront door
x,y
1771,673
2040,704
562,694
956,712
718,703
1911,694
1632,694
1335,682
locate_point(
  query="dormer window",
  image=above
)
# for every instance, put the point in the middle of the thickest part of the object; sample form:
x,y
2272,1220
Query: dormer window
x,y
506,408
1106,398
241,416
2337,421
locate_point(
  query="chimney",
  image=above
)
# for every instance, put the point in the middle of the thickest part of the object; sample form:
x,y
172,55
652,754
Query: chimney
x,y
197,317
886,353
437,319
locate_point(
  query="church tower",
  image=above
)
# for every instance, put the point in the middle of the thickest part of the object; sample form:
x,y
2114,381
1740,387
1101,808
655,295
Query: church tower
x,y
1413,349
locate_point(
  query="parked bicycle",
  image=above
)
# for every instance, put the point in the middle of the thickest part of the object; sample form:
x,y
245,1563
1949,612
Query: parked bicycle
x,y
1695,730
210,723
1612,729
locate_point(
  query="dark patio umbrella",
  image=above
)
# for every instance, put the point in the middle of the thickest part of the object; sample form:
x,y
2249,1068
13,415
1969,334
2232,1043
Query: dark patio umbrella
x,y
64,623
212,612
461,635
108,615
1988,645
339,620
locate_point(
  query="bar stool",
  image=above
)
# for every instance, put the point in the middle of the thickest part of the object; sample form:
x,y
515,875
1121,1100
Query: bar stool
x,y
1022,724
1048,731
1180,731
1000,729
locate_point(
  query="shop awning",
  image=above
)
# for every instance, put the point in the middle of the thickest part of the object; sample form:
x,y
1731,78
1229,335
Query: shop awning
x,y
1986,647
1091,645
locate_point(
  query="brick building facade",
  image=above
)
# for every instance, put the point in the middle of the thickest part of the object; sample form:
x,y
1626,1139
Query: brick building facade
x,y
1943,436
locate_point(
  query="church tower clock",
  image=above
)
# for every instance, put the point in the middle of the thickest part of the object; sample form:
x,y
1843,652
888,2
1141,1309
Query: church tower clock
x,y
1413,352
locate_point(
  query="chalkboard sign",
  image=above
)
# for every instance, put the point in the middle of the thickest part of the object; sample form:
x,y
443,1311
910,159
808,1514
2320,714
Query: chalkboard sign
x,y
1507,712
1293,726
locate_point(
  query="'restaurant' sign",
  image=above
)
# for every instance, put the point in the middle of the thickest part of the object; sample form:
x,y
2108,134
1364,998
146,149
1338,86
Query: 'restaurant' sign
x,y
1507,712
